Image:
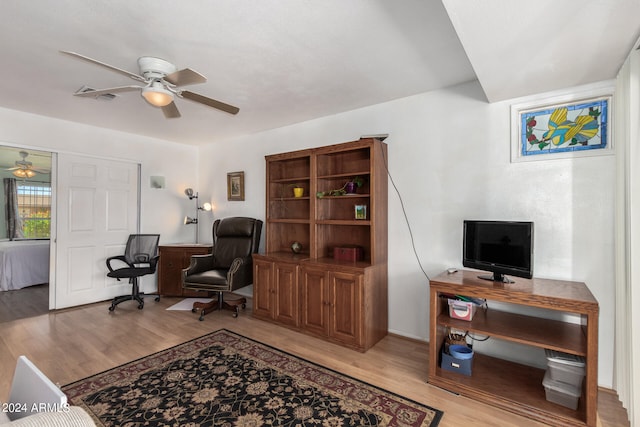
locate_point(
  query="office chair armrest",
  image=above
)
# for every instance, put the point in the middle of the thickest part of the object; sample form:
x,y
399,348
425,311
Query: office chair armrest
x,y
119,258
199,263
238,276
154,261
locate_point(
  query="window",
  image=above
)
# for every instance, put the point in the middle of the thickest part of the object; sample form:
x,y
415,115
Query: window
x,y
34,204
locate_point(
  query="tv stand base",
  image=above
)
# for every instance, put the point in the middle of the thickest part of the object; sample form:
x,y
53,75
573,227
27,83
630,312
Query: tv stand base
x,y
496,277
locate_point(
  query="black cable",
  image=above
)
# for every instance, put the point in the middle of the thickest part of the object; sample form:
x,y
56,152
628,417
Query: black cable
x,y
478,339
404,212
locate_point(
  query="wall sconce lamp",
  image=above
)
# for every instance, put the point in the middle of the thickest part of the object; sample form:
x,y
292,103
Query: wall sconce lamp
x,y
205,207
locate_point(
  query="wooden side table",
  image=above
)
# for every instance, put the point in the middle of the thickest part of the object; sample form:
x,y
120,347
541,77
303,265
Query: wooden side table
x,y
508,385
173,259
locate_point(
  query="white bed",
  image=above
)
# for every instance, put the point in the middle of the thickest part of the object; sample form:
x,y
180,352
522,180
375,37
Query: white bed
x,y
23,263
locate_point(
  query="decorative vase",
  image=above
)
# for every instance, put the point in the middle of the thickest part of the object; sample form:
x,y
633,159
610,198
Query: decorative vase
x,y
298,191
350,187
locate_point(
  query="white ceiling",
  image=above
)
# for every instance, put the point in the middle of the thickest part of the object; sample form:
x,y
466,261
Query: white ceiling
x,y
287,61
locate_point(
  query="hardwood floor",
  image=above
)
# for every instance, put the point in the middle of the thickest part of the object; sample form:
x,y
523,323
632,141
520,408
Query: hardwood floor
x,y
69,345
22,303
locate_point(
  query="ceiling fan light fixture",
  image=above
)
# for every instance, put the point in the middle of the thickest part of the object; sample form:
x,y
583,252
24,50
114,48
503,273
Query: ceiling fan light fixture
x,y
24,173
157,95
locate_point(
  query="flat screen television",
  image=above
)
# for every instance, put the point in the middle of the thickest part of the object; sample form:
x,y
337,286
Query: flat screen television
x,y
500,247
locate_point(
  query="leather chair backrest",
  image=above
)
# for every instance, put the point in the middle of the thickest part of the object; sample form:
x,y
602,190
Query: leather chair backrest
x,y
236,237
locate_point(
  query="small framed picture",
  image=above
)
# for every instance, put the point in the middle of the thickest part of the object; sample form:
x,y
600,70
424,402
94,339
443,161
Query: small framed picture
x,y
361,212
235,186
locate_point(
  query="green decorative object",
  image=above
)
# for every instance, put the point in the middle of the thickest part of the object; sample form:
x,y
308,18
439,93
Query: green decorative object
x,y
349,187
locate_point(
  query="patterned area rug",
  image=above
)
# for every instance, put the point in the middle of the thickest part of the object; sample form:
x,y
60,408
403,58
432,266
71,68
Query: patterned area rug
x,y
225,379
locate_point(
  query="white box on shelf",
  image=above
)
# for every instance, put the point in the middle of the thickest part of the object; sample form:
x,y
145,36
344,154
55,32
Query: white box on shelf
x,y
561,393
566,373
463,310
564,358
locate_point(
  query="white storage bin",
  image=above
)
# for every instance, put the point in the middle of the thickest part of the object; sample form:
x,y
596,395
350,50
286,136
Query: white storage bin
x,y
564,358
561,393
566,373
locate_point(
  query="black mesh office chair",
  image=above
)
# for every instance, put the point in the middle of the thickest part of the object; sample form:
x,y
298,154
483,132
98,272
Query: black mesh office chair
x,y
140,258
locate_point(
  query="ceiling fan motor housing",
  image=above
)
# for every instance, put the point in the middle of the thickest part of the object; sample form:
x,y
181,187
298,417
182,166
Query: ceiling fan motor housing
x,y
155,68
24,162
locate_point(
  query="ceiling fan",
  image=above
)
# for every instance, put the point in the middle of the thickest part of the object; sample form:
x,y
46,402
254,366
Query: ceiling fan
x,y
162,81
24,168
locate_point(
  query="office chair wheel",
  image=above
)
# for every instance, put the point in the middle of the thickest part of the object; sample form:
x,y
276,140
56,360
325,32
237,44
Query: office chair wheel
x,y
112,307
244,306
201,318
193,310
157,298
140,306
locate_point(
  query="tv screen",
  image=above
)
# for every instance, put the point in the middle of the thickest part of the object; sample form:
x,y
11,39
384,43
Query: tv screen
x,y
500,247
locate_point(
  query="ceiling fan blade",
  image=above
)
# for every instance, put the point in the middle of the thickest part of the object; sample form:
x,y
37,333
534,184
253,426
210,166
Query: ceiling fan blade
x,y
171,111
89,93
185,77
134,76
208,101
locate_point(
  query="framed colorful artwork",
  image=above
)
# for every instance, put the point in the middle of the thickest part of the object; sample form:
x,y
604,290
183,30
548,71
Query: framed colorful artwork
x,y
562,127
235,186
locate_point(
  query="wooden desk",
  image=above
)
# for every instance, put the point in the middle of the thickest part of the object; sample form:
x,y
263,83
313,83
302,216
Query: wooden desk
x,y
174,258
512,386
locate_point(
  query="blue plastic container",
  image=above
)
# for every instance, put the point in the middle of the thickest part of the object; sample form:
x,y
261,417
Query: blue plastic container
x,y
460,351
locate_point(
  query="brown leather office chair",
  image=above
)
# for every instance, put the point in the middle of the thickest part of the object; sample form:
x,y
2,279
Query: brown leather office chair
x,y
228,267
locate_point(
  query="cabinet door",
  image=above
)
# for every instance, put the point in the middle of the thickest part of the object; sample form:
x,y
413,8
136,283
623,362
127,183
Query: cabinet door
x,y
262,288
345,304
169,271
286,294
315,305
172,260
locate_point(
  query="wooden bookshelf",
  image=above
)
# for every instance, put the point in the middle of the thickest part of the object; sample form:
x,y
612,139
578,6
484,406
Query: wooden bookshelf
x,y
345,302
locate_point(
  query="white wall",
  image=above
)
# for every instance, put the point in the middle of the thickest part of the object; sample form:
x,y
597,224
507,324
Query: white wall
x,y
162,210
449,155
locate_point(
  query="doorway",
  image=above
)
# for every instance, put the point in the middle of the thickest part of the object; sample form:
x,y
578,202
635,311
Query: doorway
x,y
25,231
81,209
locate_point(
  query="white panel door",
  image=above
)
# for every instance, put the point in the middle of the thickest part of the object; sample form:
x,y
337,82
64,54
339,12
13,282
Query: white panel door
x,y
97,209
